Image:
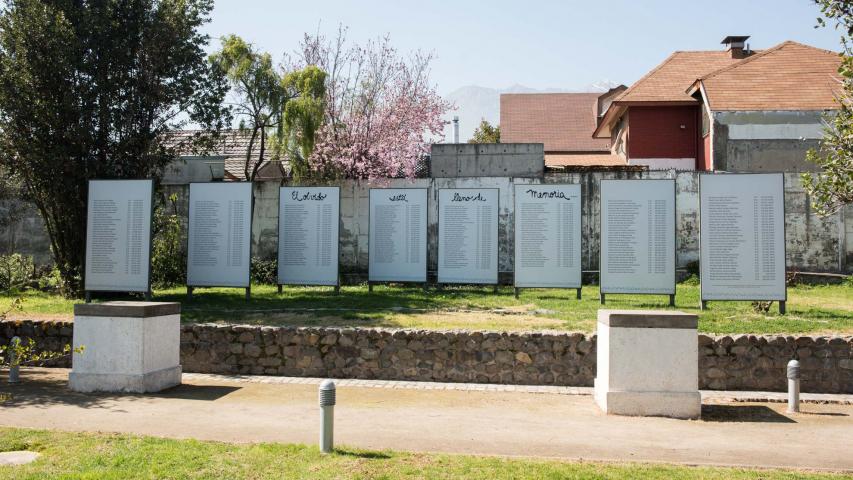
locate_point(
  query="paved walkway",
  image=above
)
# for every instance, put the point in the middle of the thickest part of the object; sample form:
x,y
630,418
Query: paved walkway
x,y
443,418
707,395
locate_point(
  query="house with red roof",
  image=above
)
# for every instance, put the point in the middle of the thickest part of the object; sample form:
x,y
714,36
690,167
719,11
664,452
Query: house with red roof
x,y
563,122
731,110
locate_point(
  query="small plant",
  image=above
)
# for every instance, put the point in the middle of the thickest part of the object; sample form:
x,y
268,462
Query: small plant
x,y
264,272
762,307
25,352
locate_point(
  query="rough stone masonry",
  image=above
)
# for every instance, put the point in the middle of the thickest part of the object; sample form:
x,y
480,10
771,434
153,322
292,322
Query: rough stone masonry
x,y
741,362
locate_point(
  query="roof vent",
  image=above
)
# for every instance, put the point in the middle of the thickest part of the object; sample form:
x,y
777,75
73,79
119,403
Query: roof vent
x,y
735,45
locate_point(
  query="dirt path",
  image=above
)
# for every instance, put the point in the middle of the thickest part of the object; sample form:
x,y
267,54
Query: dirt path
x,y
483,423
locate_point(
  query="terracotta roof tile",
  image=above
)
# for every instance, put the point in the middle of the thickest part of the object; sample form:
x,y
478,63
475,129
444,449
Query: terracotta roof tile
x,y
669,81
789,76
562,121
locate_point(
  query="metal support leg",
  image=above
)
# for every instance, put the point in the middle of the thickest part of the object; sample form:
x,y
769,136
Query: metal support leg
x,y
88,297
369,286
517,290
703,305
279,289
601,298
148,296
189,292
248,293
782,307
337,289
578,294
672,300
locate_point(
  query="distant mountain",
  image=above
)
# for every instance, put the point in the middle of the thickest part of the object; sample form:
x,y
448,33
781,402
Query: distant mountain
x,y
475,103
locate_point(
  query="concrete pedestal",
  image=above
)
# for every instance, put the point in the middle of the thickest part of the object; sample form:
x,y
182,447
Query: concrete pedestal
x,y
128,347
648,363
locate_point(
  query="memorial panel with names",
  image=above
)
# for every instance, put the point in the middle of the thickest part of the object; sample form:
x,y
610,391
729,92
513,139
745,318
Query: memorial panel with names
x,y
308,225
468,235
220,234
548,236
118,235
398,235
742,236
638,236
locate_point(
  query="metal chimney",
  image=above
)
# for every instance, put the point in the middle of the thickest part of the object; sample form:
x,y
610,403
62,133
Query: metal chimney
x,y
456,129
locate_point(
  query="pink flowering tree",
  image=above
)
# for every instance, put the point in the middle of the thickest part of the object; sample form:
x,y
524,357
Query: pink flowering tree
x,y
381,111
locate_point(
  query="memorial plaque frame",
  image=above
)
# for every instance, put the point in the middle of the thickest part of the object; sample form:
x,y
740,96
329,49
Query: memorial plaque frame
x,y
602,293
703,303
147,292
337,287
424,284
497,240
191,288
517,289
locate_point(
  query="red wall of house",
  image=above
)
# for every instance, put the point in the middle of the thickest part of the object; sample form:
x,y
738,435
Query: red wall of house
x,y
656,132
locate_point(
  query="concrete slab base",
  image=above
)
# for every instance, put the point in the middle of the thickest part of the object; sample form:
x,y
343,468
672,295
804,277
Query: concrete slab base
x,y
684,405
113,382
21,457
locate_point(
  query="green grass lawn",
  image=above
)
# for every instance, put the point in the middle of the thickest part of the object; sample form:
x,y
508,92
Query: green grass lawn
x,y
810,309
108,456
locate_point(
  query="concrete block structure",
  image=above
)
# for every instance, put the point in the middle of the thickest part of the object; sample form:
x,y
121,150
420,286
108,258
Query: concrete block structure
x,y
526,160
127,347
647,364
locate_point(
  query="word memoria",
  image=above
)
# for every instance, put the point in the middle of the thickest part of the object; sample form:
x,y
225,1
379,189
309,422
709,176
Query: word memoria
x,y
551,194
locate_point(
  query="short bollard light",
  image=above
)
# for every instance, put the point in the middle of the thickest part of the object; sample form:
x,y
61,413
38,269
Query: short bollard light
x,y
14,367
793,386
327,418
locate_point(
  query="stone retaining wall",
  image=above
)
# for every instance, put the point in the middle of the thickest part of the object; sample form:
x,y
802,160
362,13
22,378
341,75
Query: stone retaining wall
x,y
742,362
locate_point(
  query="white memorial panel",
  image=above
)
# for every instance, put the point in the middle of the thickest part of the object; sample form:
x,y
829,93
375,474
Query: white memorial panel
x,y
398,235
468,235
118,235
638,236
308,223
548,236
742,236
220,234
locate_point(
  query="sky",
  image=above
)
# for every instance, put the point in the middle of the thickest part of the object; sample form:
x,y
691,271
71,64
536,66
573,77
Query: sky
x,y
540,44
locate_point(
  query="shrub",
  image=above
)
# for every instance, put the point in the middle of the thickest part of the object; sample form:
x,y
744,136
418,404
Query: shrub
x,y
264,272
168,257
16,271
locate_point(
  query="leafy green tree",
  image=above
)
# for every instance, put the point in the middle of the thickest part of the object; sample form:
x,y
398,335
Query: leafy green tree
x,y
279,111
256,97
832,187
486,133
303,116
89,89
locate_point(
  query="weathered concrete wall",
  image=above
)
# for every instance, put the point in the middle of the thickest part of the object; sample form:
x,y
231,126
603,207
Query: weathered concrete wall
x,y
814,244
742,362
22,231
487,160
765,141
